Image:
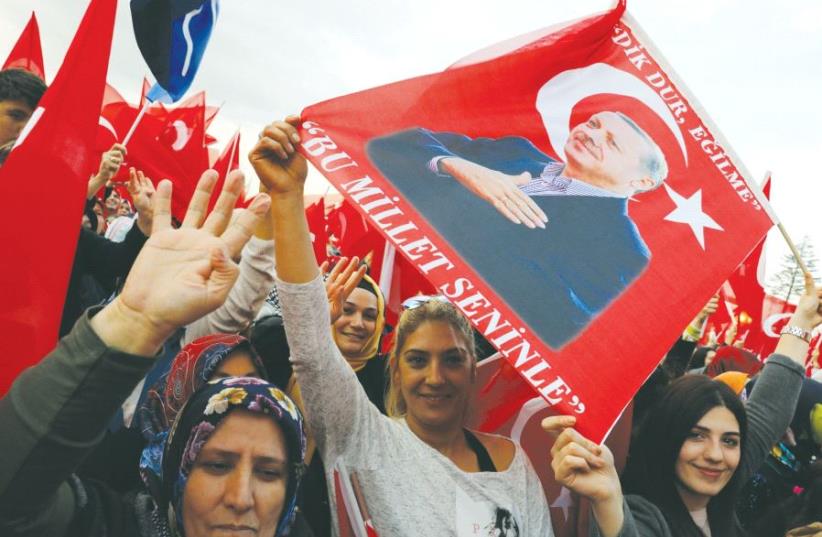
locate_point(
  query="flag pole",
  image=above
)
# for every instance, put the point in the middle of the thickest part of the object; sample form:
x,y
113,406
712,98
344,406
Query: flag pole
x,y
133,128
234,144
794,250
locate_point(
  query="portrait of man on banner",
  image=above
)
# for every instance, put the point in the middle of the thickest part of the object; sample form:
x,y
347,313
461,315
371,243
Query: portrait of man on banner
x,y
553,237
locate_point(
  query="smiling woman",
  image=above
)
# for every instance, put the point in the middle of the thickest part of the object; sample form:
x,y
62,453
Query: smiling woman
x,y
693,451
421,472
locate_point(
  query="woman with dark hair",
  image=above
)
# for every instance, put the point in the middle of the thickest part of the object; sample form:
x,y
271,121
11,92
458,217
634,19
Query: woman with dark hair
x,y
676,422
694,449
420,471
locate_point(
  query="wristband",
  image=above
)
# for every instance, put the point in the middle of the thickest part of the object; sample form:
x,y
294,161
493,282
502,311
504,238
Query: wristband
x,y
691,333
801,333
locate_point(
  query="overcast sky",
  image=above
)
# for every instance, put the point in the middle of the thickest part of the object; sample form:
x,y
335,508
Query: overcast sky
x,y
756,66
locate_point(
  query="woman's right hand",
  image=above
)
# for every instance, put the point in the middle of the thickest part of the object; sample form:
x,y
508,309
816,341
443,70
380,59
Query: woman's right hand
x,y
281,169
343,278
588,470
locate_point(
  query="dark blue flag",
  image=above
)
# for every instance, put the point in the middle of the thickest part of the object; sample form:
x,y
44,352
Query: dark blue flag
x,y
172,36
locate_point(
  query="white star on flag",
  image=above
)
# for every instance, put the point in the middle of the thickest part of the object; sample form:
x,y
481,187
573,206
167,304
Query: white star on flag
x,y
689,211
564,501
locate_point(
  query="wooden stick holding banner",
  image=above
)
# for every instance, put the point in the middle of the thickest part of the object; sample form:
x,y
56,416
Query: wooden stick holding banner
x,y
133,127
793,248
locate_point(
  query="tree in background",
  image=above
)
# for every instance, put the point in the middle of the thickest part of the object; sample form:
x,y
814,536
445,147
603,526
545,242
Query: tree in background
x,y
787,284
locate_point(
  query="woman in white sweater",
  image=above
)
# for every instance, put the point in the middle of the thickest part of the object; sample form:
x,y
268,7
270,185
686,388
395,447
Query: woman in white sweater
x,y
421,472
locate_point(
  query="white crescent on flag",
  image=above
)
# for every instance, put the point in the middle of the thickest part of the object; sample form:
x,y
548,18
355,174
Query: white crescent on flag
x,y
182,134
769,324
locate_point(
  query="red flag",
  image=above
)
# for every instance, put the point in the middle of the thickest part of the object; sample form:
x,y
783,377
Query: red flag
x,y
58,143
169,143
315,214
27,53
746,282
144,91
228,160
606,272
184,134
776,313
357,237
116,116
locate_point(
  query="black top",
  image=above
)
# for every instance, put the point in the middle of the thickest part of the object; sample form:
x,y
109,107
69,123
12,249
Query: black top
x,y
483,459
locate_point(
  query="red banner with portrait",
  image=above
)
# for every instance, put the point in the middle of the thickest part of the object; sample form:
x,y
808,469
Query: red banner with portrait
x,y
564,190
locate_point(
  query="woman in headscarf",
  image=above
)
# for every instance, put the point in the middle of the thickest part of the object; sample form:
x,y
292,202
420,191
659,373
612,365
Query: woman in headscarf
x,y
208,358
115,459
213,478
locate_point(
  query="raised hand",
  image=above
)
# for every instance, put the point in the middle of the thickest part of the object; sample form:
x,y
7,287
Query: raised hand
x,y
111,161
282,171
180,274
109,165
280,168
588,470
142,190
806,317
343,278
807,314
498,189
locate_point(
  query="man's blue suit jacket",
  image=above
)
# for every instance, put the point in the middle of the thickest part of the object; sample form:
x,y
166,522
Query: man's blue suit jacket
x,y
556,279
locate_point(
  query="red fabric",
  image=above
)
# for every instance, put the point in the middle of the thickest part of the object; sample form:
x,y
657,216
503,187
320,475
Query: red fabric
x,y
357,237
184,134
116,116
315,214
595,374
169,144
27,53
750,295
228,160
144,91
775,316
732,359
56,149
346,529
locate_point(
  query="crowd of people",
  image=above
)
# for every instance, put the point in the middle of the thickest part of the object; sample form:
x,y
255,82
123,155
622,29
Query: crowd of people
x,y
212,379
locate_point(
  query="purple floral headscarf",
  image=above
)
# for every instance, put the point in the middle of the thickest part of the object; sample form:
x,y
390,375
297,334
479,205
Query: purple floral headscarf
x,y
201,417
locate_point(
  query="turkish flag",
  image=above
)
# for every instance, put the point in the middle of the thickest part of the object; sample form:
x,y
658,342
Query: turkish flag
x,y
228,160
170,143
184,134
116,116
27,53
776,313
56,149
629,254
318,227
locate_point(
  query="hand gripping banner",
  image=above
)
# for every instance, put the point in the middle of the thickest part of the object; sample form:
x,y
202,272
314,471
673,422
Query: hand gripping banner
x,y
564,190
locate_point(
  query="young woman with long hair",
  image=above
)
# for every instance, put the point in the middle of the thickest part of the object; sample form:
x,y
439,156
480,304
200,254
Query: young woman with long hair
x,y
694,450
